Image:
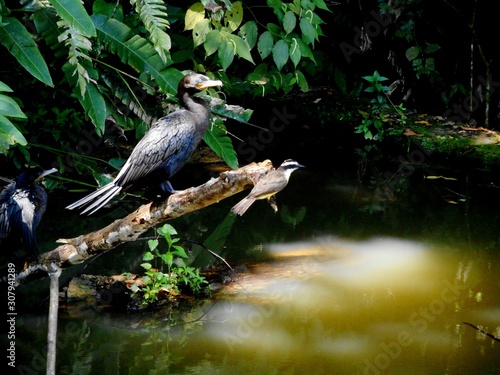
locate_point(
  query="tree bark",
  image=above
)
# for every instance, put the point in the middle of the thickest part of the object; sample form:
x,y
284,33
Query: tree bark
x,y
76,250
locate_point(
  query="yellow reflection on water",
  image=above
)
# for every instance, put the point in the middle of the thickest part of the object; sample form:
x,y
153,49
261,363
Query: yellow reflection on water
x,y
382,305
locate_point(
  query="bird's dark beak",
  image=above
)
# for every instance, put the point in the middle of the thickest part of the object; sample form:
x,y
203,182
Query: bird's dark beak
x,y
211,83
301,166
46,173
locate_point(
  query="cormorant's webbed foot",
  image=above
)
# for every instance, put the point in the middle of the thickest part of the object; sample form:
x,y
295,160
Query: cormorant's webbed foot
x,y
167,187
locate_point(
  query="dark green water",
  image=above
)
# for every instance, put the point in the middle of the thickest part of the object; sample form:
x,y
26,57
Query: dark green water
x,y
350,277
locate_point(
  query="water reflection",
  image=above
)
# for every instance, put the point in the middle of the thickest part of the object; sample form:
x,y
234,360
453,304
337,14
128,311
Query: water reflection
x,y
371,307
382,305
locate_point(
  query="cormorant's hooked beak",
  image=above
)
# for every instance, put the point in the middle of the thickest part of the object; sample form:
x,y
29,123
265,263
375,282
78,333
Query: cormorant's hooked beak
x,y
46,173
206,84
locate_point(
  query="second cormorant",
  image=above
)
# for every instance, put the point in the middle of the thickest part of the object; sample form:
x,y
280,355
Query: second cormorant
x,y
22,205
164,149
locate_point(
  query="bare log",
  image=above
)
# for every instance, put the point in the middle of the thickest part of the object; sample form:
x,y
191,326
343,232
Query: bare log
x,y
76,250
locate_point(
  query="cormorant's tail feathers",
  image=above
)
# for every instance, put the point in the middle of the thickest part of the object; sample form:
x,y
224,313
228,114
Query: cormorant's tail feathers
x,y
242,206
96,199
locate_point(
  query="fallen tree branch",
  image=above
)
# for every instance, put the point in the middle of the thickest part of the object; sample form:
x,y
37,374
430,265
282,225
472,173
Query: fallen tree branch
x,y
76,250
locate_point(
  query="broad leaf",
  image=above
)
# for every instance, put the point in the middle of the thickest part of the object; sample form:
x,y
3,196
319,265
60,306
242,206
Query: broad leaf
x,y
242,49
301,81
218,237
136,52
15,37
226,53
92,101
194,14
412,53
308,31
73,12
9,108
9,135
249,33
153,14
217,139
280,54
289,22
295,54
212,42
234,16
200,31
265,44
233,112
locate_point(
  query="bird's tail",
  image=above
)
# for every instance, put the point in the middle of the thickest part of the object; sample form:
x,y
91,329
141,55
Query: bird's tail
x,y
97,199
242,206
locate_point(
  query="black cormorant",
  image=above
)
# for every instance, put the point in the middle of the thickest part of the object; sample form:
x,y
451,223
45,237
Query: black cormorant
x,y
22,205
164,149
266,188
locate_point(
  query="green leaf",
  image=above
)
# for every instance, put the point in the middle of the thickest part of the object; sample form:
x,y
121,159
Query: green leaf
x,y
305,51
9,135
15,37
137,52
217,239
73,12
212,42
95,107
308,31
234,16
301,81
242,49
226,53
295,54
249,33
233,112
200,31
289,22
153,244
146,266
194,14
5,88
179,251
265,44
321,5
217,139
412,53
153,14
431,48
9,108
166,229
280,53
168,258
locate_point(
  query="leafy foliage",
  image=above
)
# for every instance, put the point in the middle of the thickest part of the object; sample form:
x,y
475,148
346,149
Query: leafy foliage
x,y
172,271
372,125
113,56
9,135
153,14
226,34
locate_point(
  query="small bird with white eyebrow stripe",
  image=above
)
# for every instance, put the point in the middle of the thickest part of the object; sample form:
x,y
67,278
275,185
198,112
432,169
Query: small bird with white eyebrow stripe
x,y
267,187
